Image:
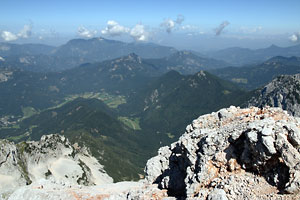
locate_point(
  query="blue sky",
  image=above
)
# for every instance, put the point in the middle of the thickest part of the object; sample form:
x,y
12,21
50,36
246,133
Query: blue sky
x,y
272,20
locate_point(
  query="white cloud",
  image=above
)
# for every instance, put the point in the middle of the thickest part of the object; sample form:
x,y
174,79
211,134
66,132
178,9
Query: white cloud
x,y
295,37
26,32
221,27
139,33
170,24
84,32
8,36
114,29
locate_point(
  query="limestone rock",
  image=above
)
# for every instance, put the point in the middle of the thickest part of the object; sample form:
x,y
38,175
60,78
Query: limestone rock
x,y
52,190
53,157
249,153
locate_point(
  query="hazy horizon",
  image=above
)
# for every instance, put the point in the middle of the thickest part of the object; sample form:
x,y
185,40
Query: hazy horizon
x,y
194,25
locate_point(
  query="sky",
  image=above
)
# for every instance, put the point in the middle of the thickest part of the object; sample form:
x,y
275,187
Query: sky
x,y
190,24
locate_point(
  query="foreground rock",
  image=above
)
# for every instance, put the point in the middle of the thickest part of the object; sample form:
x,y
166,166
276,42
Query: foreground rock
x,y
53,157
51,190
282,92
232,154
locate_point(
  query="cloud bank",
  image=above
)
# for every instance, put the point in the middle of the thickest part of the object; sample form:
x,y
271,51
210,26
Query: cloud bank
x,y
221,27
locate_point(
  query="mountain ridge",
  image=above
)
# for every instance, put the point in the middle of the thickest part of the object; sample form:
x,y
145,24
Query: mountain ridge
x,y
254,76
238,56
283,92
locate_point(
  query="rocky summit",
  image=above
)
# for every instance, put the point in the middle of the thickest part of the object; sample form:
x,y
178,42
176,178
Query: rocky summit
x,y
52,158
283,92
234,153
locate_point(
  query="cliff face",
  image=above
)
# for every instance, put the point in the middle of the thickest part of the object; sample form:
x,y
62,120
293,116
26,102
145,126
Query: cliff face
x,y
234,153
53,158
283,92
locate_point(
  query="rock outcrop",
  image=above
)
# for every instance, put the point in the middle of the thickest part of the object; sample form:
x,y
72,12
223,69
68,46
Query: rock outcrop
x,y
53,158
234,153
283,92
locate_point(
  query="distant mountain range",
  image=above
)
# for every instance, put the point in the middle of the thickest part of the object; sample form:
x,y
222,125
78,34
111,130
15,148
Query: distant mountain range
x,y
237,56
254,76
187,62
80,51
99,49
43,58
122,75
9,49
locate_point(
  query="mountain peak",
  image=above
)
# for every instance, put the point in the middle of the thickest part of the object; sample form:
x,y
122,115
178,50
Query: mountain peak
x,y
201,74
133,55
133,58
100,38
273,46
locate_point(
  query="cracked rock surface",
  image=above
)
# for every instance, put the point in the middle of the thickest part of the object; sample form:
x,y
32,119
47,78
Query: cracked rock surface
x,y
234,153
